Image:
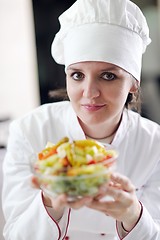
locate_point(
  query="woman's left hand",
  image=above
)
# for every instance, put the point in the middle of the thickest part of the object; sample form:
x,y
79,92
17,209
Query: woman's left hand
x,y
124,206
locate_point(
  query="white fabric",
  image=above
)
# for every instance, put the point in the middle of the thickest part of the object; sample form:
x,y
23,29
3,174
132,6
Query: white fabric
x,y
137,140
113,31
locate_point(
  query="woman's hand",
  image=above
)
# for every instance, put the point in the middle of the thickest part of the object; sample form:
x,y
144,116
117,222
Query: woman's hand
x,y
60,202
124,207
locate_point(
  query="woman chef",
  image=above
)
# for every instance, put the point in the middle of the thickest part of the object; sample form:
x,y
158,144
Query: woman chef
x,y
101,43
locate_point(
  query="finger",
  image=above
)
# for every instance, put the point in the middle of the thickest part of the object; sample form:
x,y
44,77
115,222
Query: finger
x,y
35,183
111,193
125,183
115,185
103,190
114,199
118,195
80,202
104,207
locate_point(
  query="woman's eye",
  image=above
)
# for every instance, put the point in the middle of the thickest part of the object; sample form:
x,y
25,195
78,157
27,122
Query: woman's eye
x,y
77,76
108,76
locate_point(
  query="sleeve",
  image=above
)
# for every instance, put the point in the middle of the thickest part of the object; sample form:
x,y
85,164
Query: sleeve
x,y
148,226
26,216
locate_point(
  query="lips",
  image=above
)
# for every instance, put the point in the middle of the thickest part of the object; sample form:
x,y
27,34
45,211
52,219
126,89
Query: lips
x,y
93,107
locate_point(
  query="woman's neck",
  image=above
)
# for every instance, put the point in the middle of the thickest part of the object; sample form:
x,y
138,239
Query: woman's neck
x,y
107,139
101,131
99,134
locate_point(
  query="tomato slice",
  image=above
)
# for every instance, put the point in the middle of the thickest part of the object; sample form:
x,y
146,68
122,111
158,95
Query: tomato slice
x,y
91,162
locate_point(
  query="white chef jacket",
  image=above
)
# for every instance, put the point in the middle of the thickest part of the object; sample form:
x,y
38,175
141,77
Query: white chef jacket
x,y
138,143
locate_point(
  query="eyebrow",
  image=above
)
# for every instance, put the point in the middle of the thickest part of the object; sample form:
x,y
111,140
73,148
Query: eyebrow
x,y
111,69
114,68
74,69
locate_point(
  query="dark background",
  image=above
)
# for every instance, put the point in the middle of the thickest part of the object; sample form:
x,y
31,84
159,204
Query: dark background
x,y
51,74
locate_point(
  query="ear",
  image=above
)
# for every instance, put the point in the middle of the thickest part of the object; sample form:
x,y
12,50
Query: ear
x,y
134,87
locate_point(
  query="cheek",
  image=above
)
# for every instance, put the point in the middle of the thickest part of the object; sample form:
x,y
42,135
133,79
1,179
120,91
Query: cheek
x,y
71,90
119,94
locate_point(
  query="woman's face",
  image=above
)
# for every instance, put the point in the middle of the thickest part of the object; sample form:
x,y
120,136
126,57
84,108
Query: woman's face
x,y
98,91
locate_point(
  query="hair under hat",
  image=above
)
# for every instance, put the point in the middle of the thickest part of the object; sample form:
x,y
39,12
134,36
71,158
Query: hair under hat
x,y
113,31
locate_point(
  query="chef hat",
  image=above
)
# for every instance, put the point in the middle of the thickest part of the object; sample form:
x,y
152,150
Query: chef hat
x,y
113,31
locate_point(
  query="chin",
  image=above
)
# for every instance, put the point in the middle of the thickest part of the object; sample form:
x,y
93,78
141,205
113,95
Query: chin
x,y
92,120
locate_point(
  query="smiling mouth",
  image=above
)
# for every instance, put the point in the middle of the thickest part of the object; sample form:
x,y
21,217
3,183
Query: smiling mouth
x,y
93,107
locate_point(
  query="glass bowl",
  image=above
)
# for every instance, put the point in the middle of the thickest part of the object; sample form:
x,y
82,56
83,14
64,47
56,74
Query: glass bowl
x,y
78,180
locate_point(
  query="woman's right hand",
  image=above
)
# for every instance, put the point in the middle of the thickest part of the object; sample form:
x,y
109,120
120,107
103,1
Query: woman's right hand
x,y
60,202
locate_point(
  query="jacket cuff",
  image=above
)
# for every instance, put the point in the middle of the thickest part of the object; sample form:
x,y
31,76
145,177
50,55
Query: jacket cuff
x,y
122,232
61,223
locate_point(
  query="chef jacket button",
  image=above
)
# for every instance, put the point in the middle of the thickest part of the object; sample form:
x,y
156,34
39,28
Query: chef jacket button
x,y
103,234
66,237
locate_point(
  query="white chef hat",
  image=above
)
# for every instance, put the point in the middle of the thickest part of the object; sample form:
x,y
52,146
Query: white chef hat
x,y
113,31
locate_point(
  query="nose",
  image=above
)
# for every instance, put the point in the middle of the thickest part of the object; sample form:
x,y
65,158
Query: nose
x,y
91,89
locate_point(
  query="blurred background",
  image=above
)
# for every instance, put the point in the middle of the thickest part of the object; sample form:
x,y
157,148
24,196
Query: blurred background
x,y
28,73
